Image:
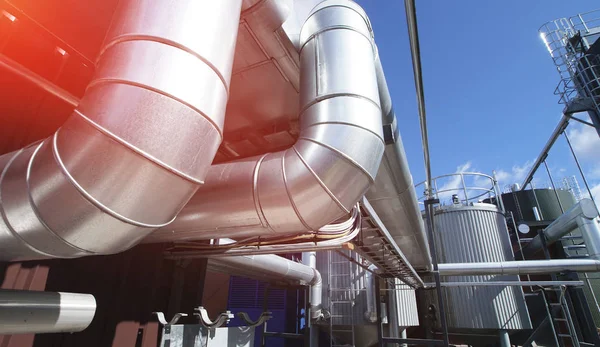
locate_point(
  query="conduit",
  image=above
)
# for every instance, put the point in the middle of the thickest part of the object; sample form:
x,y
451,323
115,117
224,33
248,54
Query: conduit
x,y
522,267
582,215
139,143
29,312
335,159
273,268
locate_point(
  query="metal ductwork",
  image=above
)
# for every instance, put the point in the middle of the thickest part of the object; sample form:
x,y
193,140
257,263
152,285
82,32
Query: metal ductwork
x,y
393,194
30,312
334,160
273,268
521,267
582,215
139,143
371,312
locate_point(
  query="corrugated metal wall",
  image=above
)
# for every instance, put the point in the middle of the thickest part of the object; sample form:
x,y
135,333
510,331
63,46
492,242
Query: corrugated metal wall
x,y
128,287
408,314
467,234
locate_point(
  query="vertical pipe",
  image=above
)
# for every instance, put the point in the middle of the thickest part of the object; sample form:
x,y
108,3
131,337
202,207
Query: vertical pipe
x,y
415,50
378,310
436,274
562,210
403,336
504,339
393,311
537,202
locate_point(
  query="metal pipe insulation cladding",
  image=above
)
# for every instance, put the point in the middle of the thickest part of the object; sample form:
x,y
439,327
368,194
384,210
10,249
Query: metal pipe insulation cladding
x,y
334,160
139,143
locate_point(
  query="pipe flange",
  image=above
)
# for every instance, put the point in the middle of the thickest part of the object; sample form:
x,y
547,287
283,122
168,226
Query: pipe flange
x,y
162,320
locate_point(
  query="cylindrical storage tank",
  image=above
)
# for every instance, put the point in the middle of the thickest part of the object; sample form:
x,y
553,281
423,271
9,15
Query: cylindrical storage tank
x,y
477,233
522,202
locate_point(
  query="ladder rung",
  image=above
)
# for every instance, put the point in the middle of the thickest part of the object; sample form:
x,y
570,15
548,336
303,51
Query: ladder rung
x,y
343,331
565,335
574,247
560,319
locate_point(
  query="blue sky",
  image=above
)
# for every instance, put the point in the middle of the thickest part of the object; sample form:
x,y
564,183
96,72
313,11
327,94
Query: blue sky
x,y
489,84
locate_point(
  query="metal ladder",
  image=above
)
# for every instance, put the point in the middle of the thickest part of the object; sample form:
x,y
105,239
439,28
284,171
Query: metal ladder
x,y
561,318
341,299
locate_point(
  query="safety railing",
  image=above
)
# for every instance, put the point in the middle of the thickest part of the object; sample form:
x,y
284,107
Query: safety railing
x,y
463,188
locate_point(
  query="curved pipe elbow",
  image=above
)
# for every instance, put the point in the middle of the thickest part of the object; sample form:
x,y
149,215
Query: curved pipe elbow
x,y
333,162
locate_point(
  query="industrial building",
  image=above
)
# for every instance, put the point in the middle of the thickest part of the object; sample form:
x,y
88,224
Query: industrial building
x,y
231,173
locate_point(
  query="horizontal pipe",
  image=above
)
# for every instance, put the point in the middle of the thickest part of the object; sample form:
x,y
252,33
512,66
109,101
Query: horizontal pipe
x,y
525,267
507,283
273,268
29,312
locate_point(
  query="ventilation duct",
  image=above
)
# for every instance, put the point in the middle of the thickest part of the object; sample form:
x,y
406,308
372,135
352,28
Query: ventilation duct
x,y
139,143
332,164
582,215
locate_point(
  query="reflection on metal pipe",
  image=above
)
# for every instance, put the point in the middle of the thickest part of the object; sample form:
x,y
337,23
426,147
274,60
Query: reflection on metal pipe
x,y
582,215
139,143
325,173
29,312
523,267
504,338
393,194
273,268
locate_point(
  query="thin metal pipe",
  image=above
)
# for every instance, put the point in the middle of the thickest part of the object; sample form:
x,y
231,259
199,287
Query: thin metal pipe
x,y
504,338
562,210
520,267
38,81
429,214
560,127
509,283
587,186
537,202
30,312
415,50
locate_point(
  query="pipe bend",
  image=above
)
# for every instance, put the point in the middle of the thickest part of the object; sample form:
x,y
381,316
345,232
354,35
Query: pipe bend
x,y
332,164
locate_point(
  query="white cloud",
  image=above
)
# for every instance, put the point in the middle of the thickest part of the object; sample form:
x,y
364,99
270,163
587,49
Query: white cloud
x,y
585,141
515,175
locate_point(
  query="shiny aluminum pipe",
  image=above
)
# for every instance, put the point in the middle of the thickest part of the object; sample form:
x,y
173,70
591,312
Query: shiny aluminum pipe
x,y
332,164
582,215
139,143
393,195
30,312
371,312
521,267
273,268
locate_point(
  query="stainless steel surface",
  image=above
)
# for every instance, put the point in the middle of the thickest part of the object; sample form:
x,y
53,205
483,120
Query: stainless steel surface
x,y
139,143
273,268
325,173
520,267
195,335
477,234
393,195
415,52
33,312
379,248
582,215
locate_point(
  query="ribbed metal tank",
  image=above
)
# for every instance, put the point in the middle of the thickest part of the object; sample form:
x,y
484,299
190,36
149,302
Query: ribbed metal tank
x,y
478,233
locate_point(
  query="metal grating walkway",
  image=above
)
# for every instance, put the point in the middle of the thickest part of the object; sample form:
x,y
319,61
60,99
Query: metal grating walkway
x,y
377,245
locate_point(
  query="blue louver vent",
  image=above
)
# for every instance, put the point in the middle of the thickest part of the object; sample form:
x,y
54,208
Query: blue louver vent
x,y
247,293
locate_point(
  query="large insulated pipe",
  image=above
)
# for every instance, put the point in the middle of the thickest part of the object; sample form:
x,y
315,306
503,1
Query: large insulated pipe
x,y
332,164
29,312
139,143
582,215
521,267
393,194
273,268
